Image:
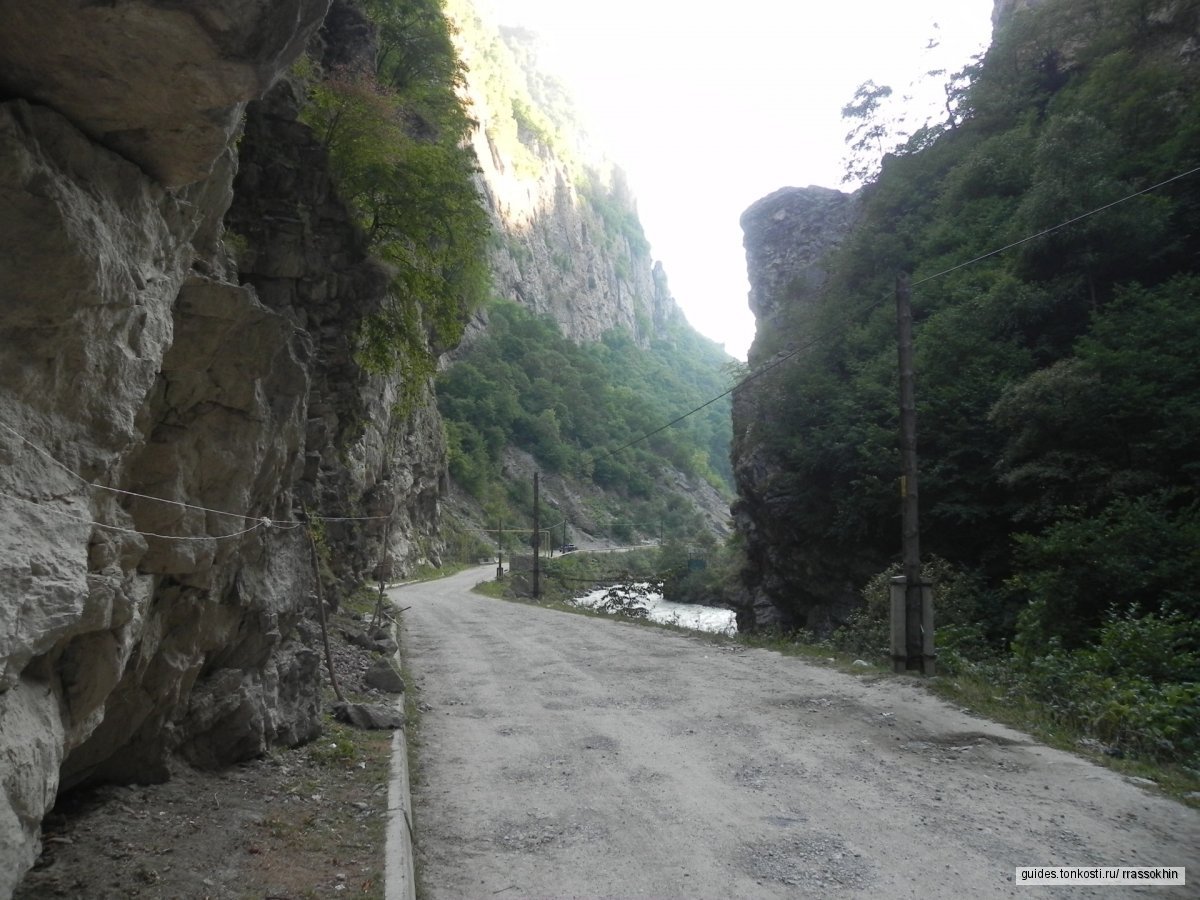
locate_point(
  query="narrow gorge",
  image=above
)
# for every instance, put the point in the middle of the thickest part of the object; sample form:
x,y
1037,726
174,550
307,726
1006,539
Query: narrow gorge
x,y
207,352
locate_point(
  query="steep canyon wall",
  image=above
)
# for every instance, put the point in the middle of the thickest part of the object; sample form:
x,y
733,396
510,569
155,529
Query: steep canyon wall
x,y
567,240
167,409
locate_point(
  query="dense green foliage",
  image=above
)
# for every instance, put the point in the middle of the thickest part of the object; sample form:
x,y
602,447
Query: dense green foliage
x,y
396,135
1058,381
573,407
529,110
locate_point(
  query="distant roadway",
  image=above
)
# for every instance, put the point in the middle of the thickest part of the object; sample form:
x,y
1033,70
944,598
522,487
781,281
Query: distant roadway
x,y
570,757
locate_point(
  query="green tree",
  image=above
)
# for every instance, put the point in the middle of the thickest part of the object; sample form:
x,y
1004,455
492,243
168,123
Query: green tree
x,y
396,141
871,135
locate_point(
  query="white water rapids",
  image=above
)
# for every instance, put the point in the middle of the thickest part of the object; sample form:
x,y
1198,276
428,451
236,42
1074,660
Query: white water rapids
x,y
665,612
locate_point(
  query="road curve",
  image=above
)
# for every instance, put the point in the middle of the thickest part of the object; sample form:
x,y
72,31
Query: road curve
x,y
571,757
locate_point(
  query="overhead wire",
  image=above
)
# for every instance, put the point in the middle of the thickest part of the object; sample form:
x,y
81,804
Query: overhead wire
x,y
812,342
260,521
63,514
758,373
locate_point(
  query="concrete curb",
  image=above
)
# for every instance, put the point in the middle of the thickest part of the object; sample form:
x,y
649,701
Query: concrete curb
x,y
399,879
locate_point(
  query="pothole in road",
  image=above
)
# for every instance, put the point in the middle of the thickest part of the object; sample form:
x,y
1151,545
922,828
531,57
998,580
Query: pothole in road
x,y
550,832
970,747
548,771
600,743
758,774
812,862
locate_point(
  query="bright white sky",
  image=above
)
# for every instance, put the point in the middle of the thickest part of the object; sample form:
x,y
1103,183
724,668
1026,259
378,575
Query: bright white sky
x,y
709,107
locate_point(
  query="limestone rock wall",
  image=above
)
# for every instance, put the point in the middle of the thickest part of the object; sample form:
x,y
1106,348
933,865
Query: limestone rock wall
x,y
556,257
788,236
163,416
562,215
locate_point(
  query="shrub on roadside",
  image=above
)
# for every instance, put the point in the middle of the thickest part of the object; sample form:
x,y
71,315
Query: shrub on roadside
x,y
958,607
1137,689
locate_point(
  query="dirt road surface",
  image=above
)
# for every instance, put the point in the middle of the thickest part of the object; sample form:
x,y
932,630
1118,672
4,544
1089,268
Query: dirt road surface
x,y
571,757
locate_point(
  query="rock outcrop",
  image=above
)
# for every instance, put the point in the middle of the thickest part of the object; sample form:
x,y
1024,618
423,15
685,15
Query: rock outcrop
x,y
788,237
569,243
164,417
161,84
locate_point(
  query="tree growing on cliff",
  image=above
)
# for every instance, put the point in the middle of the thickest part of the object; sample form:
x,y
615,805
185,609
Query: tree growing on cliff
x,y
870,136
396,136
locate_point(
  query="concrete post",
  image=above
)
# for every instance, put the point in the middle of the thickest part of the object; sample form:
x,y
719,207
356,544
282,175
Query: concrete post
x,y
901,638
899,624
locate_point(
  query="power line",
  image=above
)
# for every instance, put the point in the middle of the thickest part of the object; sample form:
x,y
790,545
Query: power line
x,y
62,514
261,521
1057,227
758,373
866,309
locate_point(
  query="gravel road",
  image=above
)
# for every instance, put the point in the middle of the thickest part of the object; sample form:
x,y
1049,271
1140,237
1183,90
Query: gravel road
x,y
573,757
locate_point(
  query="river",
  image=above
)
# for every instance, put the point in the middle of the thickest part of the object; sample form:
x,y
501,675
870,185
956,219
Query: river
x,y
666,612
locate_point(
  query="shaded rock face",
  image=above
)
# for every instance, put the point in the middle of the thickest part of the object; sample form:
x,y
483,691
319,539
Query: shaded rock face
x,y
162,84
788,237
124,367
136,363
788,234
306,261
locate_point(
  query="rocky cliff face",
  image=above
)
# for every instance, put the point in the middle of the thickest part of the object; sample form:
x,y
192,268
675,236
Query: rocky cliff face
x,y
568,241
162,418
788,236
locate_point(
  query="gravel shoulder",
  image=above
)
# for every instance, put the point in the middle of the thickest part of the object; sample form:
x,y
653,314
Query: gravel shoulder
x,y
301,823
563,756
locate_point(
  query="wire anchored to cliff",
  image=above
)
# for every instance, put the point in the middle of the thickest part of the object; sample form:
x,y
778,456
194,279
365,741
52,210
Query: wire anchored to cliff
x,y
259,522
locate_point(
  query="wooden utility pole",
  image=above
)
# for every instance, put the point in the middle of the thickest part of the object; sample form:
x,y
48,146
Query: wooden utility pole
x,y
537,540
914,621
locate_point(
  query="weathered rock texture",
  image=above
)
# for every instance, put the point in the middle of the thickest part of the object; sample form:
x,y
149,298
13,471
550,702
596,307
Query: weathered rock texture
x,y
788,234
562,250
788,237
162,84
136,364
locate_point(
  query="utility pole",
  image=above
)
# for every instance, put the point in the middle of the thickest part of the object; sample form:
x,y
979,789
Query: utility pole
x,y
912,610
500,551
537,540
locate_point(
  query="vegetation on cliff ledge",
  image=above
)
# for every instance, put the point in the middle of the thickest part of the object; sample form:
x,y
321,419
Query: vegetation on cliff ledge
x,y
396,132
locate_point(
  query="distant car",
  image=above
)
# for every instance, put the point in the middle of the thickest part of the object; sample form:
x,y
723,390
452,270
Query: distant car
x,y
567,548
